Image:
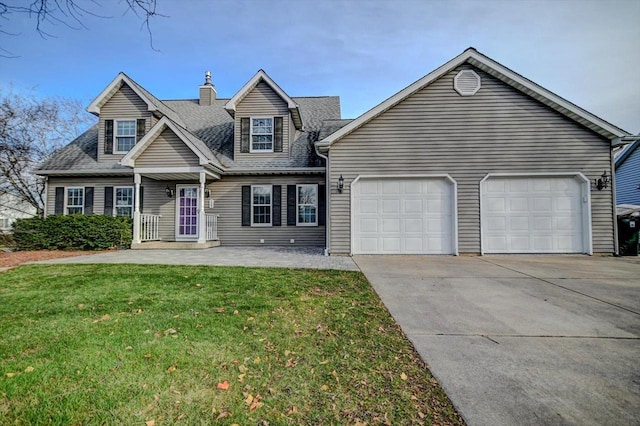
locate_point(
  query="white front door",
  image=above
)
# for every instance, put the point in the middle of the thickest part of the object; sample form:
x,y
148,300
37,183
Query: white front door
x,y
186,212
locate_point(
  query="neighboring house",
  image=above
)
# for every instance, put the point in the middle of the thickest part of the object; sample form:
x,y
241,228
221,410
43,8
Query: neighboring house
x,y
472,158
628,175
12,208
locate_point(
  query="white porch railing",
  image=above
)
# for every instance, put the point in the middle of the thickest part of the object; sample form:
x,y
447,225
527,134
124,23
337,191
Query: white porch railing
x,y
212,226
149,227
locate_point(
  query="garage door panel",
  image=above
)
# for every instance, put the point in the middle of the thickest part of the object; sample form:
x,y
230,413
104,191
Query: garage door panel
x,y
403,215
539,214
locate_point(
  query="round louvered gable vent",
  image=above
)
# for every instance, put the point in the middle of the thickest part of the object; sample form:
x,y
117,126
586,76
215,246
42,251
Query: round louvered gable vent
x,y
467,82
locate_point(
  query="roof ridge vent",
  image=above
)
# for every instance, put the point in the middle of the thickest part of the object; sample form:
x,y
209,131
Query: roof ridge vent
x,y
467,82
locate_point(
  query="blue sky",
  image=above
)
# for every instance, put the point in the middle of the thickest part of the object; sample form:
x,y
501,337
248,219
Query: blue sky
x,y
364,51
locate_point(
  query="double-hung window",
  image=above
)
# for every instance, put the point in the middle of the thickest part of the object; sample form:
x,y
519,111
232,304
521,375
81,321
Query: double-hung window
x,y
125,136
307,205
262,134
75,201
261,205
123,201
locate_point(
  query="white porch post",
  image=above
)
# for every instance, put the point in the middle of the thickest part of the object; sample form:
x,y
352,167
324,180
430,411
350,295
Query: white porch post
x,y
136,209
202,220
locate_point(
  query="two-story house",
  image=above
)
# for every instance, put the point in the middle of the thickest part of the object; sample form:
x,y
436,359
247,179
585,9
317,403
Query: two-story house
x,y
199,171
471,158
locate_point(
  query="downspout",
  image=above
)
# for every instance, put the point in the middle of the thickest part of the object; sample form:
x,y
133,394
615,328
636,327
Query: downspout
x,y
616,243
327,227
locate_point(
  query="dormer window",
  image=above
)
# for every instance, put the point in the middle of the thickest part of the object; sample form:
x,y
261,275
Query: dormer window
x,y
125,136
262,134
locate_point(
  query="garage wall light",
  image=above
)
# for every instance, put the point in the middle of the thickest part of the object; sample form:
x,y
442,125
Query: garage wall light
x,y
340,184
603,181
168,191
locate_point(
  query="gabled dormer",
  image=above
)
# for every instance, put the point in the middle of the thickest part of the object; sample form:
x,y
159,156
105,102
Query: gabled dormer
x,y
265,119
126,112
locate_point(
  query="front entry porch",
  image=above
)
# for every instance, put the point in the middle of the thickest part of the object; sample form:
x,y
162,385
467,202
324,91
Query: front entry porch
x,y
176,219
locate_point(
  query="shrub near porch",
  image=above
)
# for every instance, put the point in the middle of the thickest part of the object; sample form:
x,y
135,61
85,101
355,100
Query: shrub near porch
x,y
130,344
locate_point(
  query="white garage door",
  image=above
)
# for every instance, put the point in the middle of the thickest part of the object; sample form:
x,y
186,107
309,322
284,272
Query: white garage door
x,y
403,216
533,215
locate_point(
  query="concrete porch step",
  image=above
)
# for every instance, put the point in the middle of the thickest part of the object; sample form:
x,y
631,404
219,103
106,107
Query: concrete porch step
x,y
174,245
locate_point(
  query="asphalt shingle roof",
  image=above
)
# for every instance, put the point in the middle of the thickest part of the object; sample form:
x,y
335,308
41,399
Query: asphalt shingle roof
x,y
211,127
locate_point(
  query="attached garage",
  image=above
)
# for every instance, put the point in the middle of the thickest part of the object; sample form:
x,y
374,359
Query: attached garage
x,y
535,214
404,215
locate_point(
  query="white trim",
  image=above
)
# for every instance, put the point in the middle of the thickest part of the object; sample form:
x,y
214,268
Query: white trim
x,y
251,84
587,237
267,171
273,134
76,172
454,202
46,197
65,209
133,197
112,88
316,204
477,59
114,141
262,225
176,197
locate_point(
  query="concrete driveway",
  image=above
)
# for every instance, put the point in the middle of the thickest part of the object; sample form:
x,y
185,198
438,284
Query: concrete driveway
x,y
522,340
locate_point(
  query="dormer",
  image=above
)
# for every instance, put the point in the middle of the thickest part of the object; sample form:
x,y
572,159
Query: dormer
x,y
126,112
266,119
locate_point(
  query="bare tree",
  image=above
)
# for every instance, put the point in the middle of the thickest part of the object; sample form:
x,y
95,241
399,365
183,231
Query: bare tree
x,y
70,13
31,130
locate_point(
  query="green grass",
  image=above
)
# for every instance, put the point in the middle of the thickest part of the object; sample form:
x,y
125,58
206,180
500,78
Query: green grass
x,y
128,344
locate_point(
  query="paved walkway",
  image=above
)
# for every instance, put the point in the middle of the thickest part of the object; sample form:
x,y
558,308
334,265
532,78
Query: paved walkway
x,y
283,257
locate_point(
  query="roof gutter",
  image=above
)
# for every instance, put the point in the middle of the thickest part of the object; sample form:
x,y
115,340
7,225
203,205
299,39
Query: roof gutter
x,y
83,172
624,140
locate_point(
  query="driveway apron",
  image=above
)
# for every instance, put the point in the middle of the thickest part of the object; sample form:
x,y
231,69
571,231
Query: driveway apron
x,y
522,340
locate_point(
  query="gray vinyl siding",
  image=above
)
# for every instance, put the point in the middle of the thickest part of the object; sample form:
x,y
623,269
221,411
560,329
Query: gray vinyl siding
x,y
628,180
167,150
262,101
98,183
227,194
498,130
124,104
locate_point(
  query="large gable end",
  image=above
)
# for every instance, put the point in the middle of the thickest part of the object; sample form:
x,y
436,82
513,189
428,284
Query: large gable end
x,y
258,78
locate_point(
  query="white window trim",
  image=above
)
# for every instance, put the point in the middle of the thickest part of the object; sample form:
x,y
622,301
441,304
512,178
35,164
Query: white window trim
x,y
115,192
314,205
273,134
66,198
115,134
262,225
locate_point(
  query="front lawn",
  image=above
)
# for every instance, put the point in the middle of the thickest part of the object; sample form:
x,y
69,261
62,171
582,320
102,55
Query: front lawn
x,y
155,345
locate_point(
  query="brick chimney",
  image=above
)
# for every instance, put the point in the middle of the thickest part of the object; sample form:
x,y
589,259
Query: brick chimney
x,y
207,90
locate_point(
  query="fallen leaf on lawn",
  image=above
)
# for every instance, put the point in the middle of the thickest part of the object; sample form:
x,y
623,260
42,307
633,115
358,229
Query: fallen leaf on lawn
x,y
249,399
250,319
147,355
403,376
11,374
29,369
242,368
177,392
293,410
326,361
223,385
128,348
170,331
220,310
257,360
235,312
241,377
324,388
130,302
359,423
171,369
223,415
255,405
102,318
150,423
80,305
335,375
157,334
291,362
287,353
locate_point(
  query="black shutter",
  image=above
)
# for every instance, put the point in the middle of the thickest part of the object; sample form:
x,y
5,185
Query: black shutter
x,y
141,198
108,136
244,135
277,205
291,205
108,200
246,205
59,207
88,201
322,211
140,130
277,127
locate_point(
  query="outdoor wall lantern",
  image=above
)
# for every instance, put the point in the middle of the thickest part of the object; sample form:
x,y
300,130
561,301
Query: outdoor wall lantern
x,y
603,181
207,193
340,184
168,191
